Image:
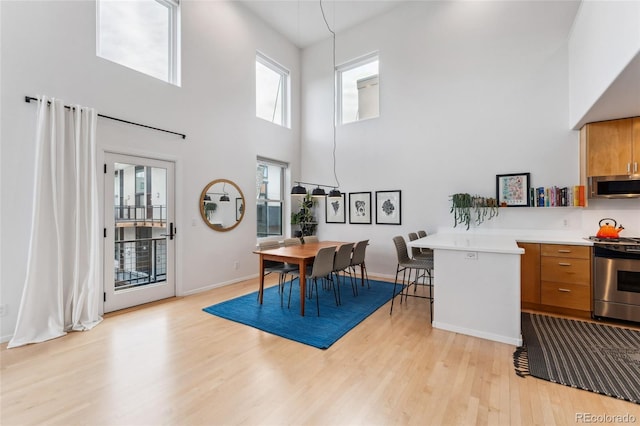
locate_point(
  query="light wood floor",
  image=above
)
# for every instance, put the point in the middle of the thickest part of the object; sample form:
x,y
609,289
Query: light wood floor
x,y
172,364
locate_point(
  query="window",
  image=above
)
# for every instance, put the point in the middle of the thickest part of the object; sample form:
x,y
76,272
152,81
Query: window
x,y
272,91
358,90
270,197
142,35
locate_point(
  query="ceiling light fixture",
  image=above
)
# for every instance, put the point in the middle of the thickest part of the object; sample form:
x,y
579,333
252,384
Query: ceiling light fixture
x,y
319,192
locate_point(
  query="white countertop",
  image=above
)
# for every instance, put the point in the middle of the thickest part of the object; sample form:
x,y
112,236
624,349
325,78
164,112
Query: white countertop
x,y
496,241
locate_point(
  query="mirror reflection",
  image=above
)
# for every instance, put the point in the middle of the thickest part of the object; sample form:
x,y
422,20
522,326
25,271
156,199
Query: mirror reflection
x,y
222,205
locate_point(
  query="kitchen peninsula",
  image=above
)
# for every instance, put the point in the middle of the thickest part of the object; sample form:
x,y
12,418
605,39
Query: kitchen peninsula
x,y
477,285
477,281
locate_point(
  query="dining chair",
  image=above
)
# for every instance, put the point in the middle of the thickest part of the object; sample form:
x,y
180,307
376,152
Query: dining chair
x,y
407,266
292,242
282,269
357,259
342,262
422,234
321,268
311,239
420,253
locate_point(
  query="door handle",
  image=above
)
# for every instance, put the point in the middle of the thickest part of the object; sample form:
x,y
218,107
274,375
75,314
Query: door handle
x,y
172,232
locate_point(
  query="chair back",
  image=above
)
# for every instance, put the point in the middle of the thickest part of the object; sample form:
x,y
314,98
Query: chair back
x,y
359,252
415,251
292,242
401,249
311,239
422,234
342,259
267,245
323,263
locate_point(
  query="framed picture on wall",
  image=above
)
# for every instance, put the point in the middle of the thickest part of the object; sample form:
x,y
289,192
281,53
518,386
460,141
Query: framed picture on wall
x,y
360,207
335,209
388,207
512,190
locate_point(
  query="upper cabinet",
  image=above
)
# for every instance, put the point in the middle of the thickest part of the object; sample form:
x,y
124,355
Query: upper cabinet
x,y
612,147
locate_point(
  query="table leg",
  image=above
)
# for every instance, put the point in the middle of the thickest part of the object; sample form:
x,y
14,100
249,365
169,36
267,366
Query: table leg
x,y
261,290
302,266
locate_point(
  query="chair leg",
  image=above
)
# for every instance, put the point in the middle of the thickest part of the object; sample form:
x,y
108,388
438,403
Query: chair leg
x,y
290,287
393,297
354,285
315,281
336,294
364,274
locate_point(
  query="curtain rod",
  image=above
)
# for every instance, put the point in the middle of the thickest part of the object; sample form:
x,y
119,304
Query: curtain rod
x,y
28,99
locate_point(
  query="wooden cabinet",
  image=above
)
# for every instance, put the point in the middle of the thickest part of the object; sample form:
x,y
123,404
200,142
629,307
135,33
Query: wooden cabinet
x,y
556,278
565,274
613,147
530,275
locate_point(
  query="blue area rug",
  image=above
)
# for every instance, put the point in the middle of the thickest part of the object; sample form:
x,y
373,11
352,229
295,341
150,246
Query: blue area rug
x,y
319,331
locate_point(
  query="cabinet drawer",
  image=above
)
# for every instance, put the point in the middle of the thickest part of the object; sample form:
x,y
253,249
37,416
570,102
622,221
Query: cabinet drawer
x,y
564,295
566,270
578,252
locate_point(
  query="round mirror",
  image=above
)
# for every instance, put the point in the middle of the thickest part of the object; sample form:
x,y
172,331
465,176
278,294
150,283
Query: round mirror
x,y
222,205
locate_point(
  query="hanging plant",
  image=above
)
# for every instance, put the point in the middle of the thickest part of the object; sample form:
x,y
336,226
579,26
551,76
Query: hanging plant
x,y
210,207
464,206
461,209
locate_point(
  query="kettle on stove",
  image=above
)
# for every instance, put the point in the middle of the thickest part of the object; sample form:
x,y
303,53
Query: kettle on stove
x,y
607,230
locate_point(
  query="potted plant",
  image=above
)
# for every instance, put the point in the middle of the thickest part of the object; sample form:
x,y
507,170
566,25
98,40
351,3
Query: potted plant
x,y
304,217
209,208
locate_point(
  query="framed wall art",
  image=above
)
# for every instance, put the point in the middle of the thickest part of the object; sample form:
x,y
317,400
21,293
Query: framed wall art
x,y
335,209
388,207
512,190
360,207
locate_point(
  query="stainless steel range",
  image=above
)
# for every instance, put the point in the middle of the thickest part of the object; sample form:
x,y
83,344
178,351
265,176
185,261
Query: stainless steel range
x,y
616,278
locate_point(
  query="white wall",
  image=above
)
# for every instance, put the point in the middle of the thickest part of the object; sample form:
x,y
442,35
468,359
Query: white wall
x,y
468,90
604,40
49,48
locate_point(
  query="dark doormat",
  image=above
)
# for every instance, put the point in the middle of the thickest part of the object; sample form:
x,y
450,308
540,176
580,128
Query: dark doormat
x,y
595,357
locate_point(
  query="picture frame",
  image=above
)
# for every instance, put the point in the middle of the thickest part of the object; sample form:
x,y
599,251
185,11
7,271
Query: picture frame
x,y
512,190
239,208
388,207
360,207
335,209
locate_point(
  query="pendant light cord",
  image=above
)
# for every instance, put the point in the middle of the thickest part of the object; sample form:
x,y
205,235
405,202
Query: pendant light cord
x,y
333,38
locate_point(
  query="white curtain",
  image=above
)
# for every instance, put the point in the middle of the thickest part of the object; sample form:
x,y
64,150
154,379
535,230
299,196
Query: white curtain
x,y
62,285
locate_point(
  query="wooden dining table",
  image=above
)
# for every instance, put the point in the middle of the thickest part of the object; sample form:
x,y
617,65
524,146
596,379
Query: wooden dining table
x,y
301,255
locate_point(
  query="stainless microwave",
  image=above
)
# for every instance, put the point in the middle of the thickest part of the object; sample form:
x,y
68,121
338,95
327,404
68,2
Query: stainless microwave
x,y
625,186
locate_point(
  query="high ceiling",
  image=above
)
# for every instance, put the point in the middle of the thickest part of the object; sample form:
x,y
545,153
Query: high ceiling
x,y
301,21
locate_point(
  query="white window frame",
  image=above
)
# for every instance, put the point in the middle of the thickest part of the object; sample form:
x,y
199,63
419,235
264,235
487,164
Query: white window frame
x,y
174,31
347,66
283,200
285,92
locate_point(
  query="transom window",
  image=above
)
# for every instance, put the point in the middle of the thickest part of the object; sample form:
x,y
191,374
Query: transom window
x,y
358,89
270,176
272,91
141,34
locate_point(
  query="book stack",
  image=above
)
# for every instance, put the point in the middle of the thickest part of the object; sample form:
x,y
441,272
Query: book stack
x,y
554,196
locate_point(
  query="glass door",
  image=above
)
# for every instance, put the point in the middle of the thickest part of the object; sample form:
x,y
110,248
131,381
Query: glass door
x,y
139,261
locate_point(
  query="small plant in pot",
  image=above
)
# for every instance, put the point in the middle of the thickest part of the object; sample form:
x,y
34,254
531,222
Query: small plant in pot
x,y
304,218
209,208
